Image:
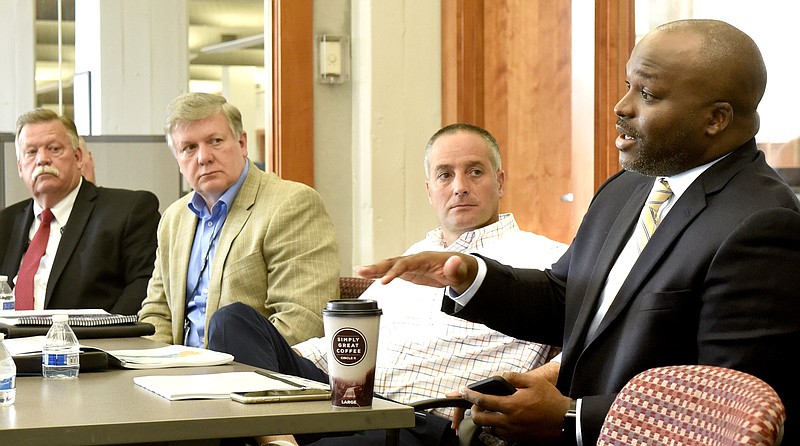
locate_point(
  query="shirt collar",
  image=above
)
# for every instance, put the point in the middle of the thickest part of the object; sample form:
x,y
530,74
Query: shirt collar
x,y
680,182
477,238
198,206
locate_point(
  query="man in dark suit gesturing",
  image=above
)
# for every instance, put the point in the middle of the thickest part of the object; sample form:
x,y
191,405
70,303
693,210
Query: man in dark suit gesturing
x,y
101,243
717,282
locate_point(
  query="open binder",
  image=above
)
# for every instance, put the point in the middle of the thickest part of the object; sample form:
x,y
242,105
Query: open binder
x,y
91,360
27,354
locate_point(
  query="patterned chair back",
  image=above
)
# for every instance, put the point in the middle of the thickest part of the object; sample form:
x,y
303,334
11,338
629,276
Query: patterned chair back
x,y
352,287
694,405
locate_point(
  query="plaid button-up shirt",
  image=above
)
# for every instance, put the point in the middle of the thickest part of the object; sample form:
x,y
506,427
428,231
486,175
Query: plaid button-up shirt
x,y
424,353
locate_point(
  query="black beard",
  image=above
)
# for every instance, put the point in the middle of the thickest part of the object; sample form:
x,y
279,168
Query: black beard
x,y
674,162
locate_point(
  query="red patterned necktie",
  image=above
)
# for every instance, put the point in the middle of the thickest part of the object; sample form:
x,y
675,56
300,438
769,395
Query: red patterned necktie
x,y
23,290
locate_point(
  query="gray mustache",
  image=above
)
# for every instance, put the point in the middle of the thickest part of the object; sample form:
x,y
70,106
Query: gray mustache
x,y
45,169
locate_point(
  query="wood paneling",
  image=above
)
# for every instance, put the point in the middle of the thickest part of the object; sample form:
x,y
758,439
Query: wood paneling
x,y
462,67
292,143
506,67
614,40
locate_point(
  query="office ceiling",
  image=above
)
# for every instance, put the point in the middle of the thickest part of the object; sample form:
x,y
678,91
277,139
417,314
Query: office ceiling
x,y
221,33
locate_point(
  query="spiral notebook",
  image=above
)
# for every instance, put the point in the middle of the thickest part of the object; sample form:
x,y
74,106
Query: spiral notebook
x,y
86,323
78,320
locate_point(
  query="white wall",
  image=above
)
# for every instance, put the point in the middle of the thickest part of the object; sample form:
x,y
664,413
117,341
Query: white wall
x,y
333,143
141,162
16,74
138,55
371,131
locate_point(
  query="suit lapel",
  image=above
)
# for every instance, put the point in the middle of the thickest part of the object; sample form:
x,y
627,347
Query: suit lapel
x,y
690,204
179,258
617,237
19,239
238,215
73,230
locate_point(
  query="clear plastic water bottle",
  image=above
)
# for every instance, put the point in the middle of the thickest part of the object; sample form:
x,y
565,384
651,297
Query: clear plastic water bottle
x,y
6,295
61,351
8,376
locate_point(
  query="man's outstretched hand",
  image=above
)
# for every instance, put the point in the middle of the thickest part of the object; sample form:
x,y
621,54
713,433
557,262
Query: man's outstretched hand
x,y
436,269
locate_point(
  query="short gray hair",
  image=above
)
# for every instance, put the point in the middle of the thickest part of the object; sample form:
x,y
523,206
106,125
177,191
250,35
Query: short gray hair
x,y
494,150
192,107
46,115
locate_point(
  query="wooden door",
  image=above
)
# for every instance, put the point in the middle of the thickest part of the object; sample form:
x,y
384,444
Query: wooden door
x,y
291,140
506,67
614,40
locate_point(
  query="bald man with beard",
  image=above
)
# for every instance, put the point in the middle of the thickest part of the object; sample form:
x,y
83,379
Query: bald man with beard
x,y
715,284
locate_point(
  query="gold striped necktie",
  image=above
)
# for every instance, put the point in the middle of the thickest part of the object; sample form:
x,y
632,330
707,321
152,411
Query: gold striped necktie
x,y
648,219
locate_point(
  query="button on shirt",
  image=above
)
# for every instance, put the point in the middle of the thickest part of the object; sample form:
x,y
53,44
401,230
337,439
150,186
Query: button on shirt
x,y
209,227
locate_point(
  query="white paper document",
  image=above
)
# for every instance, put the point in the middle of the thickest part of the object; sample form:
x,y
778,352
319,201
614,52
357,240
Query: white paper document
x,y
25,346
217,385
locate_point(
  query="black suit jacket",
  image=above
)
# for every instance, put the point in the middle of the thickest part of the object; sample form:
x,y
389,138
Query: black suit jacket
x,y
106,254
718,283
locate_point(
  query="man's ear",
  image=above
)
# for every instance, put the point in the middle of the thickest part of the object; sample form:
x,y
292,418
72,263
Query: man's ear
x,y
243,143
428,189
721,117
501,180
77,152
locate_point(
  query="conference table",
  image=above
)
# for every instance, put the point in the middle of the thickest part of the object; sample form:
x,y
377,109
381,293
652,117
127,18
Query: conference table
x,y
106,407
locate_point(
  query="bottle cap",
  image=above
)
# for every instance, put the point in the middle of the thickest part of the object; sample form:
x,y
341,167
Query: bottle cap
x,y
60,318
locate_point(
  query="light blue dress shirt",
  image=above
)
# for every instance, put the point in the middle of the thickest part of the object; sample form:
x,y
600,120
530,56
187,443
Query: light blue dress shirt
x,y
209,227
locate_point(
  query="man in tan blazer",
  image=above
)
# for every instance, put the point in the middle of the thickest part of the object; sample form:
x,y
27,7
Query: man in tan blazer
x,y
243,235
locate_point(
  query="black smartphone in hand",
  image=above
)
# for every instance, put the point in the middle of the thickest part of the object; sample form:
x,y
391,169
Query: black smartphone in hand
x,y
493,385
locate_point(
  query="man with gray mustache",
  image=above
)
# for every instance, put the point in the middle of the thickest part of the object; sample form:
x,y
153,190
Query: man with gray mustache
x,y
100,247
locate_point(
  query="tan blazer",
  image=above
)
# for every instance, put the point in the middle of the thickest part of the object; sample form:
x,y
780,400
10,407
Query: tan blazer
x,y
277,253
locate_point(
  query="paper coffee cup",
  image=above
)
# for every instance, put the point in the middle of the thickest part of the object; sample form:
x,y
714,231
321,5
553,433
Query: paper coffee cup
x,y
351,327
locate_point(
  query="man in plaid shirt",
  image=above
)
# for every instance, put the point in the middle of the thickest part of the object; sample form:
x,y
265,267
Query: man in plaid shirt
x,y
424,353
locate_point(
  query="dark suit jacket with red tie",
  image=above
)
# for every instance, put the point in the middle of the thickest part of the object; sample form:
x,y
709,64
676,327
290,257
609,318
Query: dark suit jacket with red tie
x,y
106,254
719,284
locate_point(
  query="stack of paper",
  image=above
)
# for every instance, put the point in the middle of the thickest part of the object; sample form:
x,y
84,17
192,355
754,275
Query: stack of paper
x,y
169,356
